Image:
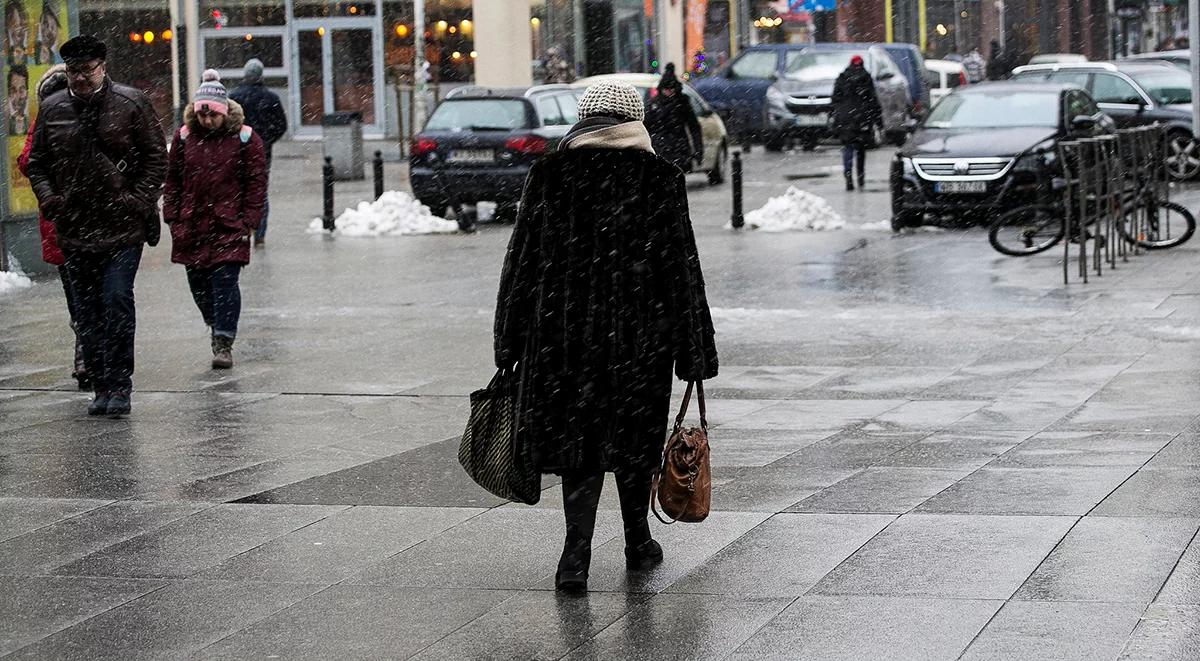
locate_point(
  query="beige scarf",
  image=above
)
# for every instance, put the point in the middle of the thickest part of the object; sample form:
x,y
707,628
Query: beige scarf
x,y
626,135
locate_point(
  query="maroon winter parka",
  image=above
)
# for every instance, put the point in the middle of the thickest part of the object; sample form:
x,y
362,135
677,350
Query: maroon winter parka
x,y
215,190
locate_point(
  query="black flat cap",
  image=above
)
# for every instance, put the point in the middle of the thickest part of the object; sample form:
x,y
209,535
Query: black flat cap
x,y
83,48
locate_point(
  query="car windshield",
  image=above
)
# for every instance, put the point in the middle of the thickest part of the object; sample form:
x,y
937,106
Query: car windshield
x,y
1167,86
479,115
819,65
995,110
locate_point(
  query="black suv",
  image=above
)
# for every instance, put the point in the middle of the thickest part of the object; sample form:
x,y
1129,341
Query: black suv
x,y
989,147
1135,93
479,143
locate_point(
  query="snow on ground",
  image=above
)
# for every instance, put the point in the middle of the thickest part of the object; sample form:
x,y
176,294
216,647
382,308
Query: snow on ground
x,y
881,226
394,214
13,280
795,211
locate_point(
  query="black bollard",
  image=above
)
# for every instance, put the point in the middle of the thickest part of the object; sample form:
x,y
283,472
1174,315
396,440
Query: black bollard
x,y
327,181
738,220
378,163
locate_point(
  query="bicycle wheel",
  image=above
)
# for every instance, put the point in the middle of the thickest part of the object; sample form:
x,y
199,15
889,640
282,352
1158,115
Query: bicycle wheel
x,y
1164,225
1026,230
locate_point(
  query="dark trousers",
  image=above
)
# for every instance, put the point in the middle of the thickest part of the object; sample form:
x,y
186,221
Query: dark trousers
x,y
101,284
849,151
581,498
261,231
216,292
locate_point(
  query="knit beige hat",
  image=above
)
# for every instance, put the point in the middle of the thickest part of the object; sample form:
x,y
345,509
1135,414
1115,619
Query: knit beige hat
x,y
620,100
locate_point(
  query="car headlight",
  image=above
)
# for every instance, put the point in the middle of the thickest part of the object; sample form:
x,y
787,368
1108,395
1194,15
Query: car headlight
x,y
776,97
906,166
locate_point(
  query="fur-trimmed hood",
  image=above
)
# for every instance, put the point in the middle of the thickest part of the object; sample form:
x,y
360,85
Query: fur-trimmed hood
x,y
233,120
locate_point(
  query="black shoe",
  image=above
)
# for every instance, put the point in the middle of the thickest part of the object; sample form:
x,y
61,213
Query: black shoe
x,y
849,183
643,556
572,571
82,378
119,404
99,405
862,181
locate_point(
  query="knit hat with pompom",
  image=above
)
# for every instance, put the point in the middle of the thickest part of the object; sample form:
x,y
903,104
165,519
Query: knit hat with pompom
x,y
211,96
608,99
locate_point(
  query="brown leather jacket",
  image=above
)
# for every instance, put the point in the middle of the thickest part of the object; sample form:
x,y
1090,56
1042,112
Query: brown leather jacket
x,y
97,167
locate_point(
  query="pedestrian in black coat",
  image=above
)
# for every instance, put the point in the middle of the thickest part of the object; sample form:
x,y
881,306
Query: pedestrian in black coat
x,y
672,123
601,298
264,113
856,112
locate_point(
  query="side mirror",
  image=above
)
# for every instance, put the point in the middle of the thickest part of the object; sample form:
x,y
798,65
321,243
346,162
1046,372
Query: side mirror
x,y
911,124
1083,124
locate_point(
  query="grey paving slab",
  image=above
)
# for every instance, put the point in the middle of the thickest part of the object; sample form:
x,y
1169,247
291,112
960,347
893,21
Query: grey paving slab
x,y
812,414
887,490
1029,491
507,549
853,448
32,608
681,626
1165,633
771,488
956,449
21,515
1182,452
1053,449
684,547
757,447
263,475
40,551
168,623
426,477
340,545
535,626
197,542
1055,630
858,627
358,622
1093,562
767,382
1183,587
115,476
929,414
953,556
1126,415
784,556
1155,493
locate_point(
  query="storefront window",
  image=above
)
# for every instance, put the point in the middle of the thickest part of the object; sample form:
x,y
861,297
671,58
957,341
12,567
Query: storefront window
x,y
331,8
139,47
223,14
233,51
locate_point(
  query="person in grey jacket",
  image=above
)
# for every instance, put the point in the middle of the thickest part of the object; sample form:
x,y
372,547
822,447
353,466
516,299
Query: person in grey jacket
x,y
264,113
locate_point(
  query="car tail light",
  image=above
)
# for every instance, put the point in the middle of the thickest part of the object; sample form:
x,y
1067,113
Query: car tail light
x,y
962,78
422,146
526,144
917,107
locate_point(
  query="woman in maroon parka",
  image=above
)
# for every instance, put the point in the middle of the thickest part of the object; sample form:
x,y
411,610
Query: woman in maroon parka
x,y
213,201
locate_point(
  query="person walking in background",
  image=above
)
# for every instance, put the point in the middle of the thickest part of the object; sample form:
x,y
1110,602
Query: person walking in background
x,y
672,123
96,165
998,66
856,112
600,296
215,196
974,66
55,80
264,113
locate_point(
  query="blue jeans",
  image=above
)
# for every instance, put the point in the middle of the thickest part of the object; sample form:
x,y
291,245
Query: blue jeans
x,y
216,293
849,150
261,232
105,315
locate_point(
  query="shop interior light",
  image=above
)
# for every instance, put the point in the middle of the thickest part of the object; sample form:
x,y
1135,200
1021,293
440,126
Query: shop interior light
x,y
321,31
249,37
401,30
442,25
465,26
167,35
474,54
135,36
148,37
535,21
941,29
353,9
453,29
456,55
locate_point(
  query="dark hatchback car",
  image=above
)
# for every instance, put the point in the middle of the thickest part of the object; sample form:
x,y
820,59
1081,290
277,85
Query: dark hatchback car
x,y
799,103
1135,93
737,91
988,148
479,143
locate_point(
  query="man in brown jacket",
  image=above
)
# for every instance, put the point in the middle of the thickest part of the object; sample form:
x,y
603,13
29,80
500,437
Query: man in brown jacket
x,y
97,165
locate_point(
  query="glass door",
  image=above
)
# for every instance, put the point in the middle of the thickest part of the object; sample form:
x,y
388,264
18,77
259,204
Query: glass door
x,y
338,68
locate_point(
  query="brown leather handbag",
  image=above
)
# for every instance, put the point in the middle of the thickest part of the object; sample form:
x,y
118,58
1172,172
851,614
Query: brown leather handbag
x,y
683,486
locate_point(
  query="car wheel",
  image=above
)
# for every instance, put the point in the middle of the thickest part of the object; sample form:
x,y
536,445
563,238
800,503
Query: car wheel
x,y
716,176
436,205
902,219
1183,156
775,143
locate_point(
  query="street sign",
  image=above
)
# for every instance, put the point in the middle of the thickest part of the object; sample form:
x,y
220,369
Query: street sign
x,y
797,6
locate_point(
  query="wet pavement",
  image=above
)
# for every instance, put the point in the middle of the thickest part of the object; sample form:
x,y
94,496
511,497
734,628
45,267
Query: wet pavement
x,y
922,450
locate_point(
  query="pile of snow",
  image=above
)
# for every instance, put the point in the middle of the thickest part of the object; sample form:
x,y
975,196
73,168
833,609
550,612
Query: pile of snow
x,y
393,214
881,226
795,211
13,280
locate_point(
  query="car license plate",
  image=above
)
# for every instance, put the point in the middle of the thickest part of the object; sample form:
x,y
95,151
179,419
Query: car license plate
x,y
960,187
472,156
820,119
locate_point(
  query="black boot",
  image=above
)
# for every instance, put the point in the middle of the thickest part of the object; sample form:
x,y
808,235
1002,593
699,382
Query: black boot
x,y
862,180
644,556
99,405
849,183
119,404
573,566
222,348
581,497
